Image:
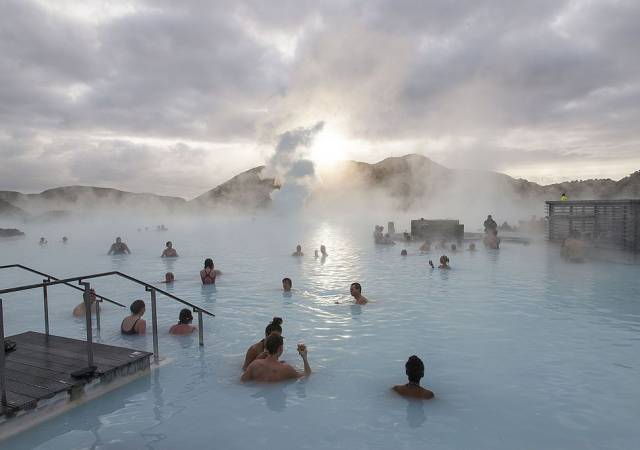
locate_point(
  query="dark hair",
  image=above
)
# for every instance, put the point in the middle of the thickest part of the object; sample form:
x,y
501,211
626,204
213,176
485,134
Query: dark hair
x,y
137,306
357,286
414,369
273,326
208,263
168,242
273,343
403,252
185,316
287,280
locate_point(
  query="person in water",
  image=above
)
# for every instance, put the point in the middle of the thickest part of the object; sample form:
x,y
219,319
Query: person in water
x,y
573,248
323,251
208,274
43,241
169,278
80,310
134,324
118,248
65,239
425,247
270,368
492,240
472,247
454,248
298,251
259,350
183,326
286,284
356,293
490,225
169,251
414,368
403,252
444,262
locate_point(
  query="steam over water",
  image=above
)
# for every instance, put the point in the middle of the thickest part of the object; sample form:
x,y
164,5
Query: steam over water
x,y
521,349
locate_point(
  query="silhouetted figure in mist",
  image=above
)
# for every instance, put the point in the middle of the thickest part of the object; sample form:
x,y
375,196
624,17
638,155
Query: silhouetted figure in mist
x,y
118,248
298,251
169,251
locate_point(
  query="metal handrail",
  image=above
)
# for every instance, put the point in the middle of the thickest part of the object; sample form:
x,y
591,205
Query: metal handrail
x,y
37,272
148,287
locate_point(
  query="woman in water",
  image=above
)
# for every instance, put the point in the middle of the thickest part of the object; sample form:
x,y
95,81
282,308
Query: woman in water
x,y
208,274
134,324
444,262
184,324
258,349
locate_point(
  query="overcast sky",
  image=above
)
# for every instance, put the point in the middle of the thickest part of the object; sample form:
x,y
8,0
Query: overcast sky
x,y
175,97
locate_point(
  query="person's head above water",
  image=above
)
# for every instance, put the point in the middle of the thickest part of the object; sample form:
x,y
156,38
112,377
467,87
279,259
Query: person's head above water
x,y
168,277
208,263
489,216
118,240
403,252
169,244
414,369
274,327
444,260
137,307
355,289
185,317
287,284
274,343
298,248
323,249
453,247
472,246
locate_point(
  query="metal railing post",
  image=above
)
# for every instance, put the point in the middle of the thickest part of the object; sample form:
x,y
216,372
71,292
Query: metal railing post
x,y
200,327
154,322
3,381
45,295
87,309
97,303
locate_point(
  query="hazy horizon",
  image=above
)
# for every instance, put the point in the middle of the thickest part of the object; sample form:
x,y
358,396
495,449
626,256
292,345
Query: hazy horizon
x,y
176,98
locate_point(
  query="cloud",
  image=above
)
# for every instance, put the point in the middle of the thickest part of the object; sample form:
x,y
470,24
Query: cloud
x,y
94,82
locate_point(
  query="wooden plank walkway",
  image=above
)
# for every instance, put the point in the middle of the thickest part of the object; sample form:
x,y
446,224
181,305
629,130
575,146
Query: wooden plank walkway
x,y
40,367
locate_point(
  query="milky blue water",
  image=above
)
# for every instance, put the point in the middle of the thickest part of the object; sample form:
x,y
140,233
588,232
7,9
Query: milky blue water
x,y
523,350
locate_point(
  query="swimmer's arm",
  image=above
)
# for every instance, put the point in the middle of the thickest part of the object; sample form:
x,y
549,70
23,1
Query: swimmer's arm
x,y
247,375
141,327
126,248
307,367
249,357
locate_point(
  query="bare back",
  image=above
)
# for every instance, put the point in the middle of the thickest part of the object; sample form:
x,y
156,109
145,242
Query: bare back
x,y
269,370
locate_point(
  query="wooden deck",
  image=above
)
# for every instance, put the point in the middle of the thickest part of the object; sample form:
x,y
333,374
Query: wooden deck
x,y
40,368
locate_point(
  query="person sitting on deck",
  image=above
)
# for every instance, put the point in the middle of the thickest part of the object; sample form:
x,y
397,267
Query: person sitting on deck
x,y
258,350
490,225
356,293
208,274
169,278
286,284
134,324
298,251
270,368
118,248
564,197
414,369
444,262
80,311
169,251
183,326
